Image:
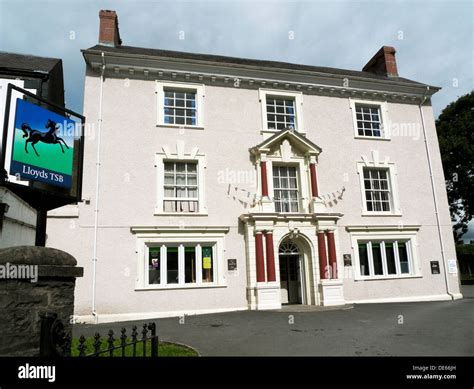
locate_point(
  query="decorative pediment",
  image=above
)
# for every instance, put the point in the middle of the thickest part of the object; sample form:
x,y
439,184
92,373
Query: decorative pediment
x,y
180,151
376,160
285,144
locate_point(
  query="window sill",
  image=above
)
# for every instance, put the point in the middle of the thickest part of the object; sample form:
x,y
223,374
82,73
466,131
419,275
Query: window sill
x,y
177,287
371,137
186,127
268,131
291,213
383,214
160,213
381,278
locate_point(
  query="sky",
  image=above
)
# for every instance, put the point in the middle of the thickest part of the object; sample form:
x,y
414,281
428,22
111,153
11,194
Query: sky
x,y
433,39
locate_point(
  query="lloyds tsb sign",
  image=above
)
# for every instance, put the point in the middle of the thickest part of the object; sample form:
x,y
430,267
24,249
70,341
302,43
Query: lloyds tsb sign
x,y
41,151
42,146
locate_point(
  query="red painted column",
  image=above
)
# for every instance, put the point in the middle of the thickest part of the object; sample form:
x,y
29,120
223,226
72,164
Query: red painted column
x,y
263,171
314,181
259,257
323,260
270,257
332,254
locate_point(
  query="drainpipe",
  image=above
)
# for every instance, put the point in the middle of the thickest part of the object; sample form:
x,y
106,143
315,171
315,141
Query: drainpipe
x,y
438,223
97,183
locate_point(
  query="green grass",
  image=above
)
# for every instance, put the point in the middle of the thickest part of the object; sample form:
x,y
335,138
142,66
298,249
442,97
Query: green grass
x,y
165,349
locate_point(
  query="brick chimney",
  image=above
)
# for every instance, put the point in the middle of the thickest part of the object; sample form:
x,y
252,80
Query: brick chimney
x,y
109,34
383,62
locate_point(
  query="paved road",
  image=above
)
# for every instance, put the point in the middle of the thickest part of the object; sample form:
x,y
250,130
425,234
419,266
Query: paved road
x,y
398,329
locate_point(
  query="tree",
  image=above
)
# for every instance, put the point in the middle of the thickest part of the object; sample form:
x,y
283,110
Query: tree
x,y
455,128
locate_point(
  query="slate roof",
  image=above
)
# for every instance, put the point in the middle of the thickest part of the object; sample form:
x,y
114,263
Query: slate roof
x,y
27,62
139,51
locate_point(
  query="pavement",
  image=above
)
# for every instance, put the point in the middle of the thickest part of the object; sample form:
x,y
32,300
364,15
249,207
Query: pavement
x,y
442,328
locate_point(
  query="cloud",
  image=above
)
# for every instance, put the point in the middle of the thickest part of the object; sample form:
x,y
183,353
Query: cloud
x,y
433,39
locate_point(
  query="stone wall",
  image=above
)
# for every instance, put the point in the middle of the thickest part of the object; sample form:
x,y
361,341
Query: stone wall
x,y
49,288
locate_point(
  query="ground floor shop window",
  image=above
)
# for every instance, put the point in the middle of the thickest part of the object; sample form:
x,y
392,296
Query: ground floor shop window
x,y
190,265
154,271
207,264
385,258
181,264
172,266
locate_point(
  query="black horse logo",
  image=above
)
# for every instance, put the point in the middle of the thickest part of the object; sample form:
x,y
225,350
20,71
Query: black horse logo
x,y
35,136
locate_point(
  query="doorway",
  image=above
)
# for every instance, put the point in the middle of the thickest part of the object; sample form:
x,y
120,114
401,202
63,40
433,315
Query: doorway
x,y
291,274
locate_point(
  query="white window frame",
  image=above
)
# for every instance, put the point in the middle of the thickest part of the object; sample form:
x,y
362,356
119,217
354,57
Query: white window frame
x,y
175,237
383,107
174,185
296,96
199,88
377,176
393,186
160,159
302,176
297,189
367,234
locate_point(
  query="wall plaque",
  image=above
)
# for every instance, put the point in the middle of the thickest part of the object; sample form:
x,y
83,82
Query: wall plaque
x,y
435,267
231,264
347,259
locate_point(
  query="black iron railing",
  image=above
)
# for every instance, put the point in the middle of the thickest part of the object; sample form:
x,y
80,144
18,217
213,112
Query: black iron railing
x,y
55,341
111,346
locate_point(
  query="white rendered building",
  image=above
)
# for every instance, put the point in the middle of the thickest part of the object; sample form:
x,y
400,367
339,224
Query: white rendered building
x,y
214,184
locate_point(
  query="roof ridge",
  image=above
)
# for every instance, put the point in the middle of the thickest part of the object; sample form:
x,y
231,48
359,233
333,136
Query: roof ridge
x,y
29,55
135,50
